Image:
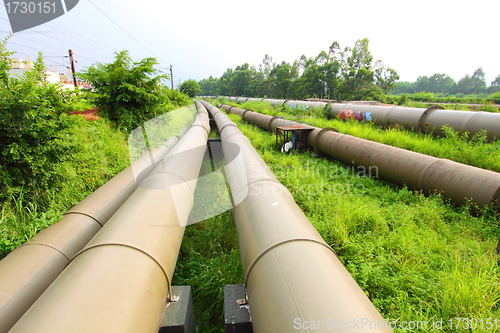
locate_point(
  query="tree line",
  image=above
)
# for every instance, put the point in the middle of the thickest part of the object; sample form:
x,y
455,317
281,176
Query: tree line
x,y
442,83
339,73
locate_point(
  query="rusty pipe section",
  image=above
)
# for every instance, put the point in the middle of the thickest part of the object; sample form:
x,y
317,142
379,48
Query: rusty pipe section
x,y
121,280
27,271
263,121
291,274
427,121
455,181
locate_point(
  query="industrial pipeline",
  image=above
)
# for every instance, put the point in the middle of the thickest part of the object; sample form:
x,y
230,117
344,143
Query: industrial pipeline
x,y
292,276
428,121
121,279
455,181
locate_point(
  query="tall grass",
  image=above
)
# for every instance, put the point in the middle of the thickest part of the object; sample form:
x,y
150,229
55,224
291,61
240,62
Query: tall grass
x,y
416,257
209,258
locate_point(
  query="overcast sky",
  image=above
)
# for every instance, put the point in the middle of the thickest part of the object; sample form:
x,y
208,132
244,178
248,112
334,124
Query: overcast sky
x,y
203,38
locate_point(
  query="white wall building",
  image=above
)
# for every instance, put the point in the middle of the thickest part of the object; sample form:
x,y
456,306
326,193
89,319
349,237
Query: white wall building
x,y
19,66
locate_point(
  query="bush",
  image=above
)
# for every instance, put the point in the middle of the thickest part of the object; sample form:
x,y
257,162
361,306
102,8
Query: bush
x,y
32,116
190,88
495,97
403,99
127,93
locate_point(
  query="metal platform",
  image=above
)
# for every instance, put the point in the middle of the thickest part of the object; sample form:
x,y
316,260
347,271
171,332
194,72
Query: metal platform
x,y
293,129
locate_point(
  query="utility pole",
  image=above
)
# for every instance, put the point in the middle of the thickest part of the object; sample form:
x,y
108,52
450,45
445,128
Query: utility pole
x,y
171,77
72,61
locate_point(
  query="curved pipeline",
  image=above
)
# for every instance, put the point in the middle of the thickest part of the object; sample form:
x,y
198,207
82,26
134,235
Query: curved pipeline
x,y
291,274
26,272
455,181
121,280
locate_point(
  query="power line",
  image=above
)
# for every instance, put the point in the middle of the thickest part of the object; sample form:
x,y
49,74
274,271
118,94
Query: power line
x,y
124,30
38,49
76,33
32,48
61,40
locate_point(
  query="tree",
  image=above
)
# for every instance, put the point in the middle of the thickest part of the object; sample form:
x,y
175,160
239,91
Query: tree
x,y
385,77
495,85
347,73
126,92
472,84
209,87
265,68
190,88
241,79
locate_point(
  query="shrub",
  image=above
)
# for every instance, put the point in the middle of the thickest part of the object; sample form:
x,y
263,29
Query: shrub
x,y
127,93
495,97
32,116
190,88
403,99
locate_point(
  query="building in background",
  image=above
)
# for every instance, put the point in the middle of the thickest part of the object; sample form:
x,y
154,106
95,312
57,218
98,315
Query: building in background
x,y
19,66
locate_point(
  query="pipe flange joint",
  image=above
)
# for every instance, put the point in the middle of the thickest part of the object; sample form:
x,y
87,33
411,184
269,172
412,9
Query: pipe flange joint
x,y
316,140
428,111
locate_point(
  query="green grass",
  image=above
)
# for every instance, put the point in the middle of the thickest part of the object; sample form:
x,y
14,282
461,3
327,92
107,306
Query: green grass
x,y
416,257
454,147
100,153
209,258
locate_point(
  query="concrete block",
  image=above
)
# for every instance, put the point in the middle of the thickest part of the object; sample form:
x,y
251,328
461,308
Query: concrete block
x,y
237,318
178,317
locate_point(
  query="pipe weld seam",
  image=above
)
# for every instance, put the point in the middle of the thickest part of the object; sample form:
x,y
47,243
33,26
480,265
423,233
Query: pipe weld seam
x,y
259,180
84,214
424,174
124,245
252,265
42,244
226,125
469,119
183,180
424,115
321,132
234,133
269,124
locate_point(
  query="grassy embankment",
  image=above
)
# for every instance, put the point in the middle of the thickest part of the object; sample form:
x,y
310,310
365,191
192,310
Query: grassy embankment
x,y
453,146
416,257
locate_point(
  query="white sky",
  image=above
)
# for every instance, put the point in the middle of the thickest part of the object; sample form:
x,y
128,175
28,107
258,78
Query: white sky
x,y
203,38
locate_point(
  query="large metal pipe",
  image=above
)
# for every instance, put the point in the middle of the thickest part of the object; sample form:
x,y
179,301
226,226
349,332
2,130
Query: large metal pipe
x,y
274,102
120,281
305,104
455,181
292,276
27,271
429,120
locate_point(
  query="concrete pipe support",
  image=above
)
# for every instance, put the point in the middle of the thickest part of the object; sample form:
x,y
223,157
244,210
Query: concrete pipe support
x,y
120,281
292,276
